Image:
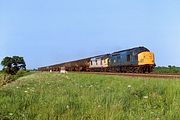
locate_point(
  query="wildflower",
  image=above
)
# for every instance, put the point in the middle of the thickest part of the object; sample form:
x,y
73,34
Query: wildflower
x,y
91,86
28,88
145,97
32,90
81,86
99,106
129,86
25,91
10,114
67,106
17,87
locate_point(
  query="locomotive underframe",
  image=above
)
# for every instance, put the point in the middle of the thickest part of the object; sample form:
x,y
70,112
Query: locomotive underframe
x,y
125,69
122,69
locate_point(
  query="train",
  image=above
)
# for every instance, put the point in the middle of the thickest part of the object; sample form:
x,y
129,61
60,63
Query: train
x,y
134,60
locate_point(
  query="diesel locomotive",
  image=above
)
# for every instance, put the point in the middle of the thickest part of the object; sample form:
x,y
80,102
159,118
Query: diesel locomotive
x,y
134,60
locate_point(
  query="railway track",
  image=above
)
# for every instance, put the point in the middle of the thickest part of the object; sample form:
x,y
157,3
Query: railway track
x,y
153,75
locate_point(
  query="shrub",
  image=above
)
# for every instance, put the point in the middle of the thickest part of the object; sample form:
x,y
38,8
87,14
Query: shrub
x,y
7,78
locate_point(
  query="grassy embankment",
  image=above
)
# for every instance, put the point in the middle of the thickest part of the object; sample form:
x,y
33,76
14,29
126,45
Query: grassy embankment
x,y
6,78
52,96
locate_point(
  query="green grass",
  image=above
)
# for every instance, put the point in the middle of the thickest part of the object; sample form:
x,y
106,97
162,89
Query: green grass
x,y
167,70
53,96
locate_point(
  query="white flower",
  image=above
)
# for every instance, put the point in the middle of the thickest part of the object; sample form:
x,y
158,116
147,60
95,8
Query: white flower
x,y
91,86
145,97
10,114
99,106
17,87
129,86
81,86
67,106
25,91
28,88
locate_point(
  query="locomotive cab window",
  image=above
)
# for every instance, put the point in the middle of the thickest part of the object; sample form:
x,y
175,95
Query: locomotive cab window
x,y
128,58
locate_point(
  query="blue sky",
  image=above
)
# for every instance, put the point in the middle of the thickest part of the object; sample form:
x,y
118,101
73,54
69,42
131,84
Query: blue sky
x,y
46,32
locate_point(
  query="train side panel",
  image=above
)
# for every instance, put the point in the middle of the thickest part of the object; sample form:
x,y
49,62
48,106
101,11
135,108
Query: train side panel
x,y
123,59
99,62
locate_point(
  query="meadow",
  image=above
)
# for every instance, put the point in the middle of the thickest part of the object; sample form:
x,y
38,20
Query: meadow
x,y
73,96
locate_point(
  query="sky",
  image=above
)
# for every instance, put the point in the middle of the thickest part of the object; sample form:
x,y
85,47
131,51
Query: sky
x,y
47,32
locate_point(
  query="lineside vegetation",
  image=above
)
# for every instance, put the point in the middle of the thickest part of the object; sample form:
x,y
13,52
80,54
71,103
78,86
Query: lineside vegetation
x,y
167,70
76,96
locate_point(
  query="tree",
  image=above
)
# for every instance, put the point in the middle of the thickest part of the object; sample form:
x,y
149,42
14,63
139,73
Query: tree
x,y
19,62
12,65
169,66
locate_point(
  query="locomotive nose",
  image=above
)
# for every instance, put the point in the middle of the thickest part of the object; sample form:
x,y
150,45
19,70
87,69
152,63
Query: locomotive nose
x,y
146,58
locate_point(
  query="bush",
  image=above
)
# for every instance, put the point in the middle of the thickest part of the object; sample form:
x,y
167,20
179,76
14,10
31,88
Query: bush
x,y
7,78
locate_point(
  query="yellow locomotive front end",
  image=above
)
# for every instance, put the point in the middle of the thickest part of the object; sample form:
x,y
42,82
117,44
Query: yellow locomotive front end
x,y
146,58
146,61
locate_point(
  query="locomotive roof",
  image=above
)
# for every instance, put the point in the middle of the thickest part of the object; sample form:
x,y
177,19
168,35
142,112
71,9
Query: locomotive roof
x,y
101,56
132,49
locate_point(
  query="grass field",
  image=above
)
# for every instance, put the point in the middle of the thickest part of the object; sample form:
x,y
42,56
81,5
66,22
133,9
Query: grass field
x,y
53,96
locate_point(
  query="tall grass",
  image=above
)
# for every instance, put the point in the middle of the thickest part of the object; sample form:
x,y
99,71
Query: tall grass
x,y
54,96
